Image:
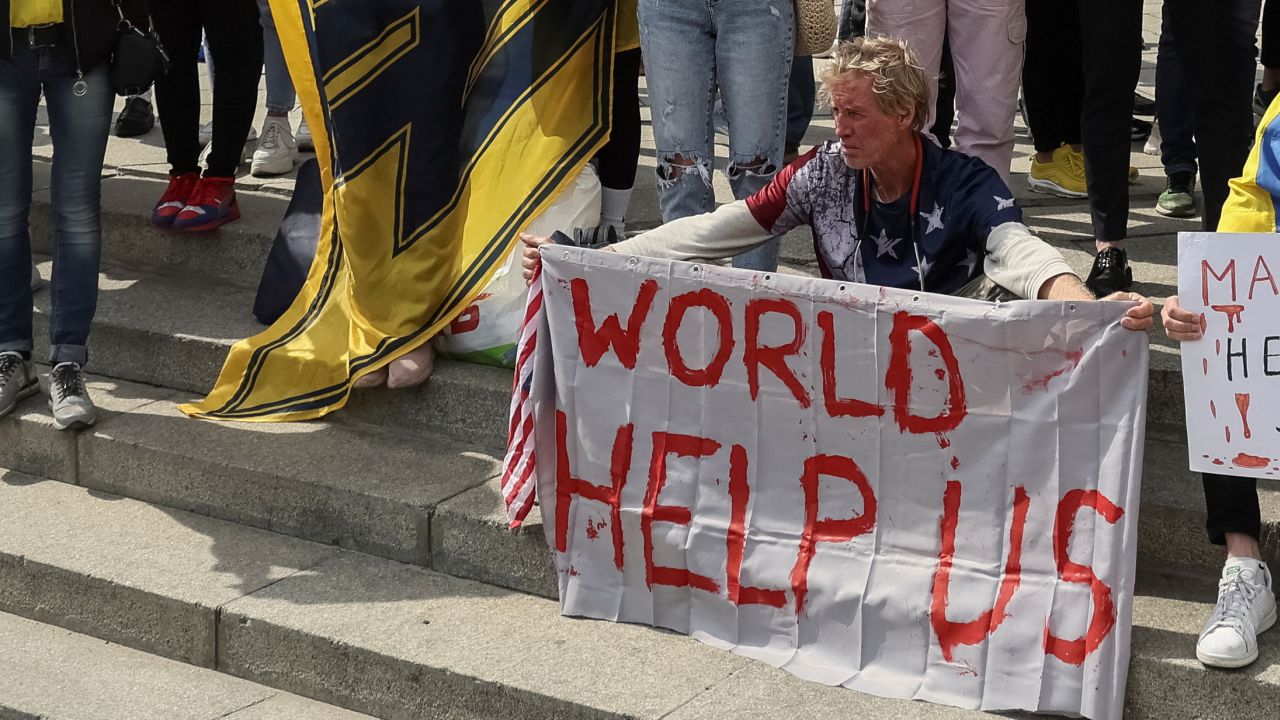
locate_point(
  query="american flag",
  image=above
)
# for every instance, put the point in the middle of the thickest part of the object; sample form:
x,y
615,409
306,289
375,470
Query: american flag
x,y
519,477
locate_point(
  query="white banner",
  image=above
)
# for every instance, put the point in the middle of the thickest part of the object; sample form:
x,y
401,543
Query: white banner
x,y
1231,377
910,495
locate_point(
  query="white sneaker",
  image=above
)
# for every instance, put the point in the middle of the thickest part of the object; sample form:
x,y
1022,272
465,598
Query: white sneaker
x,y
206,134
1246,607
277,150
305,143
1152,147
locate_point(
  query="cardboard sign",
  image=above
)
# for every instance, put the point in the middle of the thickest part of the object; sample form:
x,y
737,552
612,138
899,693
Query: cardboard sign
x,y
1231,377
910,495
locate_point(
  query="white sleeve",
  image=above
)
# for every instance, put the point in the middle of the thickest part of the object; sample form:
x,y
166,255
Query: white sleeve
x,y
729,230
1021,262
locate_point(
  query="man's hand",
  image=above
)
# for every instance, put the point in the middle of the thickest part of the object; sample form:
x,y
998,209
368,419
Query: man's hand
x,y
1179,323
1138,317
532,258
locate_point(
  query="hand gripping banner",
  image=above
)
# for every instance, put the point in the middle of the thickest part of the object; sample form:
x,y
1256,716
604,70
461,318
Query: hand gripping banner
x,y
909,495
442,127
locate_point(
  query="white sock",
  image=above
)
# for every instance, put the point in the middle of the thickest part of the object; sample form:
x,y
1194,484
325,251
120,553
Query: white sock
x,y
613,208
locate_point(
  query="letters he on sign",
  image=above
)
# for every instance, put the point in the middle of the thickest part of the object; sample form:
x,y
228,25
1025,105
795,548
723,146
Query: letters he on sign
x,y
1231,376
906,494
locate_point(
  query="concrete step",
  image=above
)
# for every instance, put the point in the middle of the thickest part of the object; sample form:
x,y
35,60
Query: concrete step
x,y
421,499
175,332
397,641
50,673
332,483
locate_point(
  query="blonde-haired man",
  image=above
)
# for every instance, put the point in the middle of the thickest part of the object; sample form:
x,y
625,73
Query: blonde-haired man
x,y
886,206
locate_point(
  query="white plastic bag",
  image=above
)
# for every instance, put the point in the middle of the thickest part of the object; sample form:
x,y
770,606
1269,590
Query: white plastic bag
x,y
487,330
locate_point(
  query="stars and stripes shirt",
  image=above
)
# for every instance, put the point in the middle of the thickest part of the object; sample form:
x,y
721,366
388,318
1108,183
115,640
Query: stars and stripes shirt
x,y
966,223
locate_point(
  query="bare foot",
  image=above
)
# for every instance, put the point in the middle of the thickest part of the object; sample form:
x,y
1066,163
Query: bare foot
x,y
412,368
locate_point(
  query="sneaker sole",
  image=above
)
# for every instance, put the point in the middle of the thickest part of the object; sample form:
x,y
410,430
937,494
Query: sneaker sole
x,y
211,225
1231,663
1050,187
21,395
1176,213
271,168
75,424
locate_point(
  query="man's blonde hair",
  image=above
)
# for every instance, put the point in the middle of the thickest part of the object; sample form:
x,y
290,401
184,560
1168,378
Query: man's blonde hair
x,y
898,81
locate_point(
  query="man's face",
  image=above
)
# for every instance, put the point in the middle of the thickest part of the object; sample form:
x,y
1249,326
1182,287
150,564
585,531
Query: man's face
x,y
866,132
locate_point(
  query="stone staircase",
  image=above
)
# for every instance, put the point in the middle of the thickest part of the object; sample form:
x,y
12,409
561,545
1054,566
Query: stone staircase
x,y
362,561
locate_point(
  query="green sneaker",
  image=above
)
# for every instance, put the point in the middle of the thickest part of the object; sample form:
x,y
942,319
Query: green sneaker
x,y
1178,199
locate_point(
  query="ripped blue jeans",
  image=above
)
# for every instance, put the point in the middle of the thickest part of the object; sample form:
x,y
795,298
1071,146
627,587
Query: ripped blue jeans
x,y
692,49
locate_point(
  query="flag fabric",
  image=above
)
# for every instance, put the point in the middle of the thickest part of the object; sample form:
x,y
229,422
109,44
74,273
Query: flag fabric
x,y
442,128
519,467
1252,202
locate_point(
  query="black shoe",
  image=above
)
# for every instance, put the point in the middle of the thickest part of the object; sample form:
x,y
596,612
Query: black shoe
x,y
1143,105
136,118
1110,273
596,237
1262,100
1140,130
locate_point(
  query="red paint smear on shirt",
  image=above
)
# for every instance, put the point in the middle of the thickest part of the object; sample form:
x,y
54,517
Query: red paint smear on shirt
x,y
1253,462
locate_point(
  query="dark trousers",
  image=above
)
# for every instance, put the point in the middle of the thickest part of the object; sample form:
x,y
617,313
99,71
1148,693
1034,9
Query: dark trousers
x,y
235,41
801,93
1271,34
1053,74
1231,504
1217,44
944,106
1111,42
1173,107
616,161
853,19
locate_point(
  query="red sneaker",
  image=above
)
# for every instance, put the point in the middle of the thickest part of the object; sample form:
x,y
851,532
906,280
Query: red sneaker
x,y
212,204
174,199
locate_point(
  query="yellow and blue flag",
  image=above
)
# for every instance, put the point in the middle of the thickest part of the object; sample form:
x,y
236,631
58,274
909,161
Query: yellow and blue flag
x,y
1251,205
442,128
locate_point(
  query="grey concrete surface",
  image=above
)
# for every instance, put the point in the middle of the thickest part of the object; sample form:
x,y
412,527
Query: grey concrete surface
x,y
130,572
469,538
55,674
321,481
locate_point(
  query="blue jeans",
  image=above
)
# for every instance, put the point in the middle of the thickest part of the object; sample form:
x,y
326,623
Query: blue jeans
x,y
1173,107
801,93
79,127
692,48
280,95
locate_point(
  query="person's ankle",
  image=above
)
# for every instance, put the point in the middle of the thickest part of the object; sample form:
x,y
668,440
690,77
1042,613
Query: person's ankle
x,y
1044,157
1240,545
1101,245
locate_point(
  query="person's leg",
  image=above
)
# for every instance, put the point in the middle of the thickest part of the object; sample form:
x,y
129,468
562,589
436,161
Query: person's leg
x,y
1111,32
19,98
944,106
1246,601
1173,106
986,45
923,24
616,161
79,126
1231,508
802,92
280,95
1270,51
177,92
754,40
1217,44
1052,75
235,38
680,69
853,19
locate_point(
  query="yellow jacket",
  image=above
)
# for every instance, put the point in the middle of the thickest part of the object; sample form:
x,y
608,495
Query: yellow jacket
x,y
24,13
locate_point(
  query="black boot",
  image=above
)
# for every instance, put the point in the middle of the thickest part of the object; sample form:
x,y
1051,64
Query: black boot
x,y
136,118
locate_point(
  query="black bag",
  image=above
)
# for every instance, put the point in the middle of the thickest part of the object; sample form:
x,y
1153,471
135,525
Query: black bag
x,y
294,247
139,57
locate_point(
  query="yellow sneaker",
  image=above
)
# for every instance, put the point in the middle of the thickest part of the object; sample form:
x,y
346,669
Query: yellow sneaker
x,y
1063,175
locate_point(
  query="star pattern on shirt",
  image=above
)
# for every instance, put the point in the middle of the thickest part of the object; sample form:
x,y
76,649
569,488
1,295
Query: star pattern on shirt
x,y
933,218
886,244
1002,203
970,262
924,266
